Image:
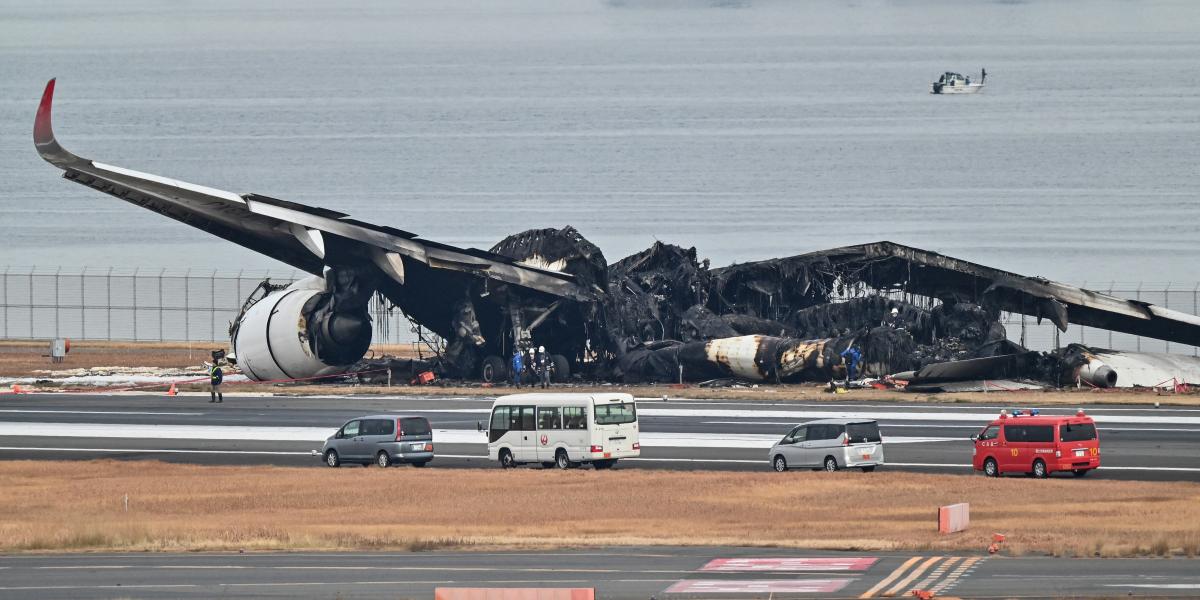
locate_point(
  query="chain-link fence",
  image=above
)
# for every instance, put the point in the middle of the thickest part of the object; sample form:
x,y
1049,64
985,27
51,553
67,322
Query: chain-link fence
x,y
198,306
143,304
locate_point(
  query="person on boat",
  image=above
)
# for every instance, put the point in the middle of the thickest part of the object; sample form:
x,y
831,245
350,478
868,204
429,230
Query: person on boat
x,y
982,76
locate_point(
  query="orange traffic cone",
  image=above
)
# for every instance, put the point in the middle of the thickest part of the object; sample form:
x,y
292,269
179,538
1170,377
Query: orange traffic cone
x,y
172,391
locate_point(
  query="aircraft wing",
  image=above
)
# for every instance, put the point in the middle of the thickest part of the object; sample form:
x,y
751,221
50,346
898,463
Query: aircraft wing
x,y
290,232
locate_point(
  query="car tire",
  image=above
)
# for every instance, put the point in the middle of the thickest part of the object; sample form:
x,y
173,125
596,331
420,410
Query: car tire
x,y
561,460
1080,472
420,463
868,469
779,463
506,460
1039,469
383,460
602,465
990,468
831,464
332,459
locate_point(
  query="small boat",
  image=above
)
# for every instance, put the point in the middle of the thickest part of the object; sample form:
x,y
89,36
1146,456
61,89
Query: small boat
x,y
953,83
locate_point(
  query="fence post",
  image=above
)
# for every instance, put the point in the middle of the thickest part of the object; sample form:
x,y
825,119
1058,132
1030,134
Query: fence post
x,y
31,270
82,304
187,310
108,304
6,268
135,278
160,304
212,306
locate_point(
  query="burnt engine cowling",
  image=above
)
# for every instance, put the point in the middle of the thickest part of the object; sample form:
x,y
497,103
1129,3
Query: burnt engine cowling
x,y
312,328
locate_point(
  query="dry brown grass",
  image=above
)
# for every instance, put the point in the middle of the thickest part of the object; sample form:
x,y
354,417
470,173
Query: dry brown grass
x,y
79,506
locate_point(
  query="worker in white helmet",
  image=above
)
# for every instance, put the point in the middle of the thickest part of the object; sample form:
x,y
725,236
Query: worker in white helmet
x,y
543,366
893,319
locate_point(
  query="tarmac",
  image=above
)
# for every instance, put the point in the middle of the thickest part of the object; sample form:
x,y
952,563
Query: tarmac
x,y
627,572
1137,441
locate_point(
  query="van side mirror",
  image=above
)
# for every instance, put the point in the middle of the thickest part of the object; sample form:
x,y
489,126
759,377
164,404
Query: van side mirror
x,y
975,437
338,435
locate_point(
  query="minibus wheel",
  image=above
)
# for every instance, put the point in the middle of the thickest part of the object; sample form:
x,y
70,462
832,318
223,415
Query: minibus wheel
x,y
831,464
561,460
383,460
990,469
1039,469
506,460
331,458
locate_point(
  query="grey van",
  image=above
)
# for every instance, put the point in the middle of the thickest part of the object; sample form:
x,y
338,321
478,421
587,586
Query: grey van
x,y
381,439
830,444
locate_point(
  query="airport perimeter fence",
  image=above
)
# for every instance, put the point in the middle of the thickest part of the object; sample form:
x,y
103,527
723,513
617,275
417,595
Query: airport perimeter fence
x,y
159,305
198,305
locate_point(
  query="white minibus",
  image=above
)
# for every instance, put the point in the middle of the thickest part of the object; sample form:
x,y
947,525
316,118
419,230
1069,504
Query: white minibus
x,y
563,430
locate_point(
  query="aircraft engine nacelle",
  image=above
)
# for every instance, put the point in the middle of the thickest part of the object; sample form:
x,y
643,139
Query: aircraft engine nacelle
x,y
300,332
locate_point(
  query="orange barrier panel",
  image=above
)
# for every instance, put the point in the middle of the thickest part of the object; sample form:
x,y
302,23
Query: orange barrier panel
x,y
955,517
514,593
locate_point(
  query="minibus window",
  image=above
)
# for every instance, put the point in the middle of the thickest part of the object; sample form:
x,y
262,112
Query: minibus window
x,y
574,417
549,418
527,418
500,418
615,414
990,433
500,422
1076,432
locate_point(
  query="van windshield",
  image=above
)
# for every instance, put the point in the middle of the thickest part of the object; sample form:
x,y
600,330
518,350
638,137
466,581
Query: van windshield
x,y
1076,432
616,414
862,432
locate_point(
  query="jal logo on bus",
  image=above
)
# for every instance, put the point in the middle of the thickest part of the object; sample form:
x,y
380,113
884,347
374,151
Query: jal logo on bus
x,y
545,439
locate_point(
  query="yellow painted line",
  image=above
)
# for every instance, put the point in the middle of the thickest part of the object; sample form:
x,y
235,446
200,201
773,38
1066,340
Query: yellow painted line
x,y
911,576
938,572
890,578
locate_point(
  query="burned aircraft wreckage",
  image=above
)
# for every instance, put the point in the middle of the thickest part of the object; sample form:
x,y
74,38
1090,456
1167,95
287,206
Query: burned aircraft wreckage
x,y
658,315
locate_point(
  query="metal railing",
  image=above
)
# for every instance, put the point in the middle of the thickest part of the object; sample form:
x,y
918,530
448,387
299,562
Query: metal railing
x,y
196,305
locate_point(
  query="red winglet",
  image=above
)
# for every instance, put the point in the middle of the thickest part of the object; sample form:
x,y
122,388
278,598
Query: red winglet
x,y
42,132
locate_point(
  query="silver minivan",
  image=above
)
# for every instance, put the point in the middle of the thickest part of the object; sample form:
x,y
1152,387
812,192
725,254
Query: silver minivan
x,y
830,444
381,439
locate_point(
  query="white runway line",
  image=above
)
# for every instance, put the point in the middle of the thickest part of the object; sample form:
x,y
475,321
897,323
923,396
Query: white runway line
x,y
319,434
98,412
797,416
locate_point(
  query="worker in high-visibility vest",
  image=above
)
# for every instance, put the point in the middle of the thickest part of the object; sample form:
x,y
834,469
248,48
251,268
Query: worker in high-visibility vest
x,y
215,377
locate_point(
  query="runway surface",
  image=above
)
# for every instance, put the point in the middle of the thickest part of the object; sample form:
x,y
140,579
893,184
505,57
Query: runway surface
x,y
1137,442
635,572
